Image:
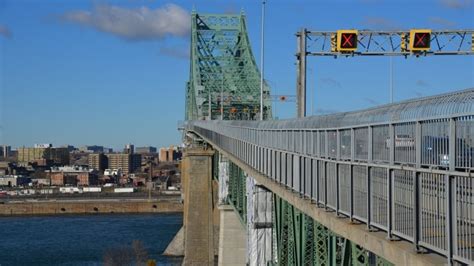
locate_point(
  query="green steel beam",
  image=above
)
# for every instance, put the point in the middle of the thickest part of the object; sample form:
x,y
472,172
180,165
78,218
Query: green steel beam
x,y
303,241
300,240
223,72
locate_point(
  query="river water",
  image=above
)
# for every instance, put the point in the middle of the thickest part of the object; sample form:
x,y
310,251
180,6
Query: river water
x,y
84,239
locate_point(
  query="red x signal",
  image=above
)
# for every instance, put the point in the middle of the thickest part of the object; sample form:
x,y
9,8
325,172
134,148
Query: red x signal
x,y
346,40
420,40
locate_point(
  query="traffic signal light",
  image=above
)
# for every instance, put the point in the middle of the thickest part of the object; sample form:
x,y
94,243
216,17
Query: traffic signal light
x,y
420,40
347,40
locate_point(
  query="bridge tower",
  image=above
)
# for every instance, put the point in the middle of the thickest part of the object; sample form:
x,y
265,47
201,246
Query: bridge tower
x,y
224,81
224,84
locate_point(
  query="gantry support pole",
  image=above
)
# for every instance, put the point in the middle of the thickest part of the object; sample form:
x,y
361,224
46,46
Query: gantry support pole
x,y
301,74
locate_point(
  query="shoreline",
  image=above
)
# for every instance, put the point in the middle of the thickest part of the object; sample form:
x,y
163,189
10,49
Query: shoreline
x,y
90,206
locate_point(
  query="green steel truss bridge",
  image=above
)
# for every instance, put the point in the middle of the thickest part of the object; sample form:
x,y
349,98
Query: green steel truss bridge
x,y
224,82
382,186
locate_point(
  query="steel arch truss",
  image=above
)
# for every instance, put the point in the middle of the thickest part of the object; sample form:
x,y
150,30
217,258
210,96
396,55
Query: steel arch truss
x,y
224,80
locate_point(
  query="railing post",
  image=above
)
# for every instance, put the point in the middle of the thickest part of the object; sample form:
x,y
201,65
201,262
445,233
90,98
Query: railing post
x,y
351,194
450,208
391,144
338,145
417,211
318,143
336,171
369,213
352,175
452,145
449,213
370,144
317,181
326,144
417,187
390,184
326,181
369,177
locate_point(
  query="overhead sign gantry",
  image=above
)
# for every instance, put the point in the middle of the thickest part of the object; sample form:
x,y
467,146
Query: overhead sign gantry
x,y
348,43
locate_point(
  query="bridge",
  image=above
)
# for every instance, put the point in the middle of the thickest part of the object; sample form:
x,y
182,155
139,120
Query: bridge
x,y
382,186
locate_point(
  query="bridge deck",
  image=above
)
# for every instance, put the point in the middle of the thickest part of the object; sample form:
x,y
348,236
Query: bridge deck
x,y
397,252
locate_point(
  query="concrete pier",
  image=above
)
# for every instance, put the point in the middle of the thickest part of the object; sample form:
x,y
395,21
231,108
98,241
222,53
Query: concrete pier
x,y
198,207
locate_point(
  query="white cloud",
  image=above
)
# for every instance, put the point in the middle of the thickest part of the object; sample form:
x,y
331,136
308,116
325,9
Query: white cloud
x,y
422,83
380,23
371,101
324,111
456,4
178,52
135,24
5,31
330,82
442,22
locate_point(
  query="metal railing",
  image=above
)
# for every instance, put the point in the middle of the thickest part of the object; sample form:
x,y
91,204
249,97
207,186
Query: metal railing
x,y
404,168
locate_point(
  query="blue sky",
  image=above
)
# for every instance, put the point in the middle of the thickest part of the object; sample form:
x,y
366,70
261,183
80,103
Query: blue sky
x,y
69,76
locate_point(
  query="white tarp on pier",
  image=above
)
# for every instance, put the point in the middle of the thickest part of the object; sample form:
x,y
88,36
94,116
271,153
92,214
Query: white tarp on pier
x,y
259,223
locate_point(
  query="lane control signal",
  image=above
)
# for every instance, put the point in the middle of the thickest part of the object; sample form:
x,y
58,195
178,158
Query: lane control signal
x,y
347,40
420,40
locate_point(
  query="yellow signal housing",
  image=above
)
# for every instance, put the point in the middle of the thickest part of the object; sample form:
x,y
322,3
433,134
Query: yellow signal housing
x,y
472,42
420,40
333,42
403,44
347,40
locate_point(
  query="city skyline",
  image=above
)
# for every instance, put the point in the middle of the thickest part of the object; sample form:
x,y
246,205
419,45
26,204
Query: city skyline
x,y
83,82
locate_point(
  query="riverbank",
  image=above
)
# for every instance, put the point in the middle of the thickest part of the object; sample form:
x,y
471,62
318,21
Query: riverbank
x,y
90,206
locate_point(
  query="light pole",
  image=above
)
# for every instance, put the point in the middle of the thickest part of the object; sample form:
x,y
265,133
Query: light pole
x,y
262,59
311,85
210,100
222,98
391,79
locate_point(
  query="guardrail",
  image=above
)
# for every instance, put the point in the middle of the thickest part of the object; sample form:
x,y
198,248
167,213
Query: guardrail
x,y
404,168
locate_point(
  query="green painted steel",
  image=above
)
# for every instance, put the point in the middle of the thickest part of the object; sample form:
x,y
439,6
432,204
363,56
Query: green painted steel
x,y
223,72
224,77
301,240
237,191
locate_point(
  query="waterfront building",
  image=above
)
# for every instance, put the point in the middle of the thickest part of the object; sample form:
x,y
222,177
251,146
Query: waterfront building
x,y
129,149
14,180
43,154
128,163
92,149
144,150
5,151
73,176
97,161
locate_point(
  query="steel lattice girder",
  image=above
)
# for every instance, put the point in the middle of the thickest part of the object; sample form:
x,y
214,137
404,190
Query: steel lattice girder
x,y
453,42
303,241
223,72
237,191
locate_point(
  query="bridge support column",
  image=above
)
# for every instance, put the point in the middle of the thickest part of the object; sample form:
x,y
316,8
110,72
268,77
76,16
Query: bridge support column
x,y
259,223
232,238
198,207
